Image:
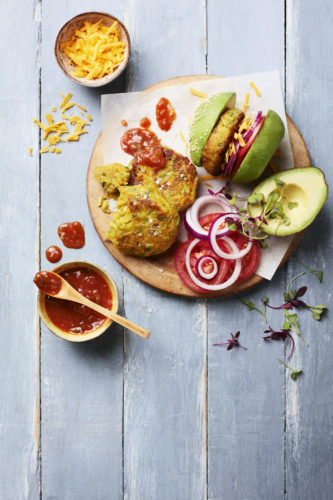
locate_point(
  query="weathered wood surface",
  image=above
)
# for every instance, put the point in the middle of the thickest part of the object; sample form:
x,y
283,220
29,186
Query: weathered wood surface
x,y
172,417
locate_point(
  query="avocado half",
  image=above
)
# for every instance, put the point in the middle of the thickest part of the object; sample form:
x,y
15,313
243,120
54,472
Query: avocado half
x,y
262,149
205,119
304,186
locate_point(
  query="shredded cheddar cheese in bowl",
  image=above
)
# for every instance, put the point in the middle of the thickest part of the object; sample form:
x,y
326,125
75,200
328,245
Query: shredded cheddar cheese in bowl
x,y
93,48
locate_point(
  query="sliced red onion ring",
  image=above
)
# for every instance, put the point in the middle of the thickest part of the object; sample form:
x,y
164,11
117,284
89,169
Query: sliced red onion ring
x,y
233,278
248,134
212,239
192,216
232,159
199,267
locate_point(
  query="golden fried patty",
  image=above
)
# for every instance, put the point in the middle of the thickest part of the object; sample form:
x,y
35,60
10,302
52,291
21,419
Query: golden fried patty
x,y
112,176
219,139
144,223
177,181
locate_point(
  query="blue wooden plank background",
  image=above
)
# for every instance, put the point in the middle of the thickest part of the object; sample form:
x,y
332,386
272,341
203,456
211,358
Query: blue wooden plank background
x,y
173,417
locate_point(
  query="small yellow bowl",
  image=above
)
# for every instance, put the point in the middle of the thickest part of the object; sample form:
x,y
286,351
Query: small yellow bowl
x,y
83,336
68,30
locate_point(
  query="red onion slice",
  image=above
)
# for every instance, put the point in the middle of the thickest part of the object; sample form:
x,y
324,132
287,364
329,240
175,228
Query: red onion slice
x,y
199,267
233,278
213,230
192,216
248,134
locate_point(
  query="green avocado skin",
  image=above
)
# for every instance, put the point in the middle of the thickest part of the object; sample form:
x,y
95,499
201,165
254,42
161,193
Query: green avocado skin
x,y
262,149
205,119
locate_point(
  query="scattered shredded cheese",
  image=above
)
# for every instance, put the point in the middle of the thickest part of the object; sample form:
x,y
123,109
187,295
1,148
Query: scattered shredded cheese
x,y
246,102
53,130
95,50
181,135
30,151
197,93
210,177
89,117
54,109
257,91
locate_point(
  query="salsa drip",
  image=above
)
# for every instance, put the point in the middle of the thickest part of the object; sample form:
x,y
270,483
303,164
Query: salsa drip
x,y
165,114
145,146
48,282
53,254
145,122
72,234
76,318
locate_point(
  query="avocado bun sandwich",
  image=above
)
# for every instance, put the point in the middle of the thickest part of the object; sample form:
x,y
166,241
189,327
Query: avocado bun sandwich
x,y
225,141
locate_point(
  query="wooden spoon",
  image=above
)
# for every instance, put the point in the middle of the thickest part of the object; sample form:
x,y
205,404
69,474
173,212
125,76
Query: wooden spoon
x,y
53,284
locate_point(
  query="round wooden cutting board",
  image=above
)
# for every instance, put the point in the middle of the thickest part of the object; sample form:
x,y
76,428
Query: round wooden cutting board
x,y
159,271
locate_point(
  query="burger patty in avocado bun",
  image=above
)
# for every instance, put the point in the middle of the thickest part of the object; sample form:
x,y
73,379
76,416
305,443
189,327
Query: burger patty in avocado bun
x,y
224,140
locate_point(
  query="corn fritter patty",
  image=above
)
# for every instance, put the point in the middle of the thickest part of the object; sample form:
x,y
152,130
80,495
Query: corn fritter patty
x,y
112,176
177,181
219,139
145,223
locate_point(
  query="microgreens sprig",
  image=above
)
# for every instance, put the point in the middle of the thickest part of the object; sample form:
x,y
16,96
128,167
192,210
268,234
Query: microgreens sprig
x,y
317,273
251,306
280,335
292,300
293,372
233,342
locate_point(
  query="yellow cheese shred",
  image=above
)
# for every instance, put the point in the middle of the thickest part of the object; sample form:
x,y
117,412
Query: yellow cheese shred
x,y
197,93
181,135
89,117
30,151
54,109
44,150
53,149
95,50
257,91
210,177
246,102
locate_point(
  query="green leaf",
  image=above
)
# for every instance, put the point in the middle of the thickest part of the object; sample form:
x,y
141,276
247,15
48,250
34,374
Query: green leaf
x,y
251,306
272,197
292,204
279,183
255,198
295,373
286,325
232,227
317,273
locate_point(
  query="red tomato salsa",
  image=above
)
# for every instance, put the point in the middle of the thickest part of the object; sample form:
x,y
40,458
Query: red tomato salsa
x,y
53,254
165,114
145,122
76,318
72,234
145,146
48,282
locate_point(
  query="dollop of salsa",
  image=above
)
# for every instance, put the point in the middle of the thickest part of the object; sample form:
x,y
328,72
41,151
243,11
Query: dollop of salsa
x,y
145,146
72,234
48,282
53,254
77,318
165,114
145,122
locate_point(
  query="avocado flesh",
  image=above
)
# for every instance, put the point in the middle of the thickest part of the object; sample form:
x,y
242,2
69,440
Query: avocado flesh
x,y
219,139
306,187
262,149
205,119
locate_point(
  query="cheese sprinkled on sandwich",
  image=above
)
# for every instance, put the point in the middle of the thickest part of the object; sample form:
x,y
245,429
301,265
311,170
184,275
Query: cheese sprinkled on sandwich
x,y
246,102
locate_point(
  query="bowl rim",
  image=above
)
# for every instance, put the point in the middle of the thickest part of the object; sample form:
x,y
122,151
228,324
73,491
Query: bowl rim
x,y
108,78
72,337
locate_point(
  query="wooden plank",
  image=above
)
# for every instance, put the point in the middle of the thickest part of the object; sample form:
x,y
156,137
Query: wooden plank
x,y
165,378
245,388
82,385
19,339
309,429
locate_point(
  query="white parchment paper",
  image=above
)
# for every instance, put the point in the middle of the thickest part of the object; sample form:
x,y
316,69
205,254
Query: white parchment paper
x,y
133,106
